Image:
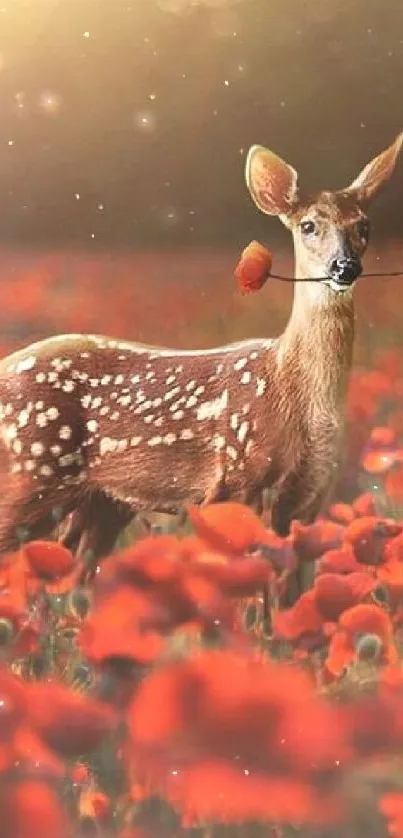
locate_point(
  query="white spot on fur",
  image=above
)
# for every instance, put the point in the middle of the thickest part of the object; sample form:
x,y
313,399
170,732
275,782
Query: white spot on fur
x,y
25,364
240,364
232,452
234,421
246,377
213,409
23,418
243,430
169,439
65,432
260,386
92,425
52,413
154,440
135,441
37,449
46,471
186,433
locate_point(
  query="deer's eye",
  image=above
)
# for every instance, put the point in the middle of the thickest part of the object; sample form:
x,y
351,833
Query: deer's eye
x,y
363,228
307,227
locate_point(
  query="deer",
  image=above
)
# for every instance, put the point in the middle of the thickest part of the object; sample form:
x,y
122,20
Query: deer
x,y
95,430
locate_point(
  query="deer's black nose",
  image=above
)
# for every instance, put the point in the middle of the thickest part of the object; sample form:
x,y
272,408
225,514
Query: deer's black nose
x,y
345,270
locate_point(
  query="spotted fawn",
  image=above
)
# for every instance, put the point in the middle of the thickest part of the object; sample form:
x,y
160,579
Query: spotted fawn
x,y
95,429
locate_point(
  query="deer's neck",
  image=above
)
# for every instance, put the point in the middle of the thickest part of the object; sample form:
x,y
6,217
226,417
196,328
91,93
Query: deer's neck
x,y
316,346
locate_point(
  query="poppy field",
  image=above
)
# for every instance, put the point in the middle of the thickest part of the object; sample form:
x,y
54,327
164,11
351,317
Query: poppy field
x,y
198,687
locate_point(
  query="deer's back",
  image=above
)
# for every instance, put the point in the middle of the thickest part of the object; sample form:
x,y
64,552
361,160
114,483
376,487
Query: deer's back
x,y
151,426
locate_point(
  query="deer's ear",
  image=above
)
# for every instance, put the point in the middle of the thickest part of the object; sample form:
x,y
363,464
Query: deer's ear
x,y
376,173
272,183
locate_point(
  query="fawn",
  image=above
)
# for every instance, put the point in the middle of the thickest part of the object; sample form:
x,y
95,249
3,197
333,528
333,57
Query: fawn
x,y
95,429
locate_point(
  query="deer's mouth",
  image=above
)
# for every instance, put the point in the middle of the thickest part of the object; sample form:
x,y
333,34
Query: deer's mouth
x,y
343,273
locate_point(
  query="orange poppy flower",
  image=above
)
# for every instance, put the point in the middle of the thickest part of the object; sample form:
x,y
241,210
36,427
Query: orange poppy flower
x,y
353,624
32,809
341,561
253,268
391,807
368,537
341,513
311,541
364,505
228,527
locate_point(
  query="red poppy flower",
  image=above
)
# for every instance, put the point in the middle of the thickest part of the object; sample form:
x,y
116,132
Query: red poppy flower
x,y
341,561
228,527
253,268
364,505
189,719
369,536
341,513
32,809
314,610
68,722
311,541
391,806
353,624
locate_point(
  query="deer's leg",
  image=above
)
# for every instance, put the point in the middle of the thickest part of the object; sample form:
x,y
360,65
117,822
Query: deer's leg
x,y
24,517
94,527
302,496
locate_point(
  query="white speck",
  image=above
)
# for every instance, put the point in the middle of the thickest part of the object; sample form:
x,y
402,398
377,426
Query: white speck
x,y
92,425
106,379
29,465
39,405
17,446
260,386
186,433
41,420
192,401
170,379
179,414
135,440
56,450
232,452
119,379
190,385
40,377
234,421
246,377
86,400
169,439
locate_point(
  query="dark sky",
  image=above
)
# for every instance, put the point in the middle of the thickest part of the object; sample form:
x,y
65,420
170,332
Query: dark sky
x,y
125,122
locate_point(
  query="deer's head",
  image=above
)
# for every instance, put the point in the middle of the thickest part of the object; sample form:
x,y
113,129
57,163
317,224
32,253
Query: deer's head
x,y
331,229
